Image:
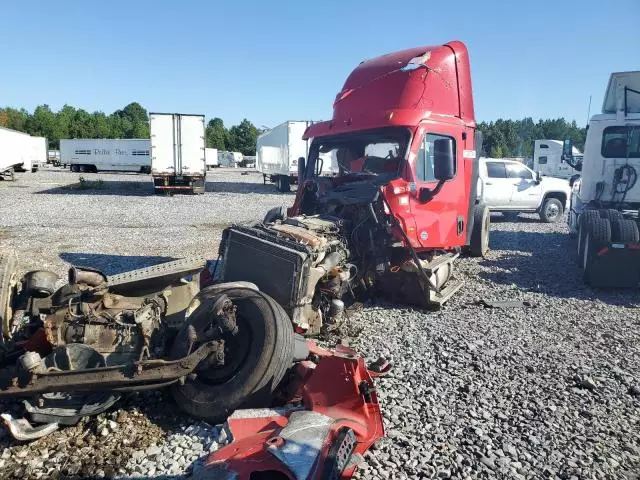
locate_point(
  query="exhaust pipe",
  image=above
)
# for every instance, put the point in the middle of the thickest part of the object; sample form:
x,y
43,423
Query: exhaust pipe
x,y
92,278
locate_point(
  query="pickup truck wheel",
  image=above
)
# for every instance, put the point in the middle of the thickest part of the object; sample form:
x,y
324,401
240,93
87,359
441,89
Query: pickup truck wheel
x,y
551,210
624,231
597,237
256,358
480,234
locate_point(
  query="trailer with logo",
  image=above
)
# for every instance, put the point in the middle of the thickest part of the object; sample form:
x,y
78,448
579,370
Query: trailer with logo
x,y
103,154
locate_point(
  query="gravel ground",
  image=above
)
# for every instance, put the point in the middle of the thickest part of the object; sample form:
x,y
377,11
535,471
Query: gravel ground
x,y
548,390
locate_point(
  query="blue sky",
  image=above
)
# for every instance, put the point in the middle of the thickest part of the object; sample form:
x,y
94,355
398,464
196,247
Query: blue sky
x,y
271,61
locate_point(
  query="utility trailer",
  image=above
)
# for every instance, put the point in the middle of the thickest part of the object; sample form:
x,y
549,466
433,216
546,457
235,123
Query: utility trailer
x,y
178,152
92,155
549,161
605,199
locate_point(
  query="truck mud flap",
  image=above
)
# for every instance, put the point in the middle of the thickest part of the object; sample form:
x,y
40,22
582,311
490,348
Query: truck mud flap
x,y
616,266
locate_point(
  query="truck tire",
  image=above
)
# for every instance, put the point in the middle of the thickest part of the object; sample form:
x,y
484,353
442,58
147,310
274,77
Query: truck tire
x,y
552,210
624,231
8,281
610,214
283,184
584,222
480,234
598,236
256,358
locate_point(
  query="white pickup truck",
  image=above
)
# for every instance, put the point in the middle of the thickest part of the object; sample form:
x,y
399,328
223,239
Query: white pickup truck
x,y
511,188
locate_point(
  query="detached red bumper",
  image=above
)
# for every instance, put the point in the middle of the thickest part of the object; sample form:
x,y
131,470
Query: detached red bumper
x,y
324,435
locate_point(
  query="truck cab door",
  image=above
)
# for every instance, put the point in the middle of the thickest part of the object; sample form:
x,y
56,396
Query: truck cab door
x,y
527,191
497,188
440,219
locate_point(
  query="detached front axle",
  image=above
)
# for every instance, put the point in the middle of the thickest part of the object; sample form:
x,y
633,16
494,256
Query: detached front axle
x,y
141,373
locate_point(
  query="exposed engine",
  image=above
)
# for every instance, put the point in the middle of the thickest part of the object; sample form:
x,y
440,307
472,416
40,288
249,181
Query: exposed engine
x,y
310,263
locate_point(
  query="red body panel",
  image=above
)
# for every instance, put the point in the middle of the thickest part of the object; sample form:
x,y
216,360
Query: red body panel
x,y
428,90
254,434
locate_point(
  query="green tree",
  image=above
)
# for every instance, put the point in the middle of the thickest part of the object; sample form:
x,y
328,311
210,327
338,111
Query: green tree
x,y
134,121
243,137
217,136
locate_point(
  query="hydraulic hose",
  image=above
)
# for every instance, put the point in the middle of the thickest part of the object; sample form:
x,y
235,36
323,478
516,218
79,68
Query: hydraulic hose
x,y
626,177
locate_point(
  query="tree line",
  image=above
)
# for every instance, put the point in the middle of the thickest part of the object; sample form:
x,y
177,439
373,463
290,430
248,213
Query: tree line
x,y
514,138
502,138
130,122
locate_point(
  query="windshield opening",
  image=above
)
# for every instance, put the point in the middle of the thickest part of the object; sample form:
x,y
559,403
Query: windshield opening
x,y
372,152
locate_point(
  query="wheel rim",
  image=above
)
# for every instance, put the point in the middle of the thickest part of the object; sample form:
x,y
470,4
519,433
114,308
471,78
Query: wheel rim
x,y
551,210
236,351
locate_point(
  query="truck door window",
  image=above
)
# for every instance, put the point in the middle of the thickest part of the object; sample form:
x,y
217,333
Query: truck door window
x,y
542,160
424,161
620,142
518,171
496,170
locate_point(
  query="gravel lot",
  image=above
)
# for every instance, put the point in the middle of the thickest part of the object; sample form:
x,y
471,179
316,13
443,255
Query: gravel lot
x,y
548,390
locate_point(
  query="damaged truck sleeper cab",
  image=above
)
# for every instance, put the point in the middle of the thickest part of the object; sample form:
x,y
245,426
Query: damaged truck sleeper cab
x,y
402,207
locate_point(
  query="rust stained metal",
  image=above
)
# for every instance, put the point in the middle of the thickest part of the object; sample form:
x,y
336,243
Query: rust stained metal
x,y
301,235
142,373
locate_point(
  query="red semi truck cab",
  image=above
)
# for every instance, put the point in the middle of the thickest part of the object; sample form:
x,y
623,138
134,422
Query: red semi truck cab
x,y
406,120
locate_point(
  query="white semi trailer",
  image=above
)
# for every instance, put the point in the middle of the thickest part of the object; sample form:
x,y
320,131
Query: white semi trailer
x,y
178,152
18,150
211,158
548,160
278,151
102,154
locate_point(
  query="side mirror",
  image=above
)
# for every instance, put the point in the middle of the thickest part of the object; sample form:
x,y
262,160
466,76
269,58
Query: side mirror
x,y
301,169
567,151
444,162
538,176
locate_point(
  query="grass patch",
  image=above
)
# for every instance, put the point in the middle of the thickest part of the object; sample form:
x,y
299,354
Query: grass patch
x,y
84,184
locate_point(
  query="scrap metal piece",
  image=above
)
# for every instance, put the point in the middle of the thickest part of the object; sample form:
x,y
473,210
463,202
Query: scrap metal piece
x,y
300,442
8,282
503,303
324,436
145,373
23,431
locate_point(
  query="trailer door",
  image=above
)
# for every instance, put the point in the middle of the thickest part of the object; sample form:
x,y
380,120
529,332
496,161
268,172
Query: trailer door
x,y
163,143
191,154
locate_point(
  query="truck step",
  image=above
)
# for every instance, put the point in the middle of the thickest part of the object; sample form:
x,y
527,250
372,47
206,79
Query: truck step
x,y
432,266
438,299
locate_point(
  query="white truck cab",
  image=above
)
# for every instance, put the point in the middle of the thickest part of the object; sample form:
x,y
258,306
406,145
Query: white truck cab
x,y
605,200
510,187
548,159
